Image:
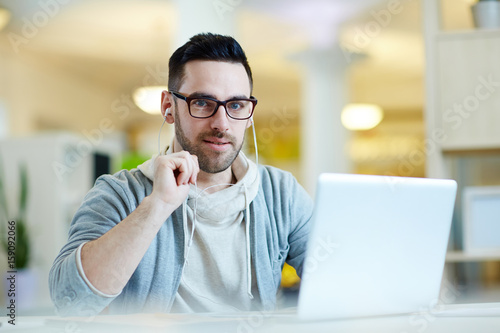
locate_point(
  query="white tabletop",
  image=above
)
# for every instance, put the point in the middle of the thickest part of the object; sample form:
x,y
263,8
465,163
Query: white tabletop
x,y
467,318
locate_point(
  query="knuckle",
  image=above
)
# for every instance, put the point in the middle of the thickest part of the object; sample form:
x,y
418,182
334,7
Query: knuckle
x,y
161,161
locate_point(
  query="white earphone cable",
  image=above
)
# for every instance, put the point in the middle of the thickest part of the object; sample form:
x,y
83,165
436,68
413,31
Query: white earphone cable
x,y
159,134
255,145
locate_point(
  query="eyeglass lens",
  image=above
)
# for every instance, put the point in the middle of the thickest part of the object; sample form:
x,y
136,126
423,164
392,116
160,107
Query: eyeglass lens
x,y
238,109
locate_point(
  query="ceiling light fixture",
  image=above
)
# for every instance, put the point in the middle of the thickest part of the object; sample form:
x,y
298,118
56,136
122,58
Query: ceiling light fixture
x,y
4,17
148,99
360,117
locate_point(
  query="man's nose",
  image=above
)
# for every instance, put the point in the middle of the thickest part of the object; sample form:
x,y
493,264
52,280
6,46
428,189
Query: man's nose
x,y
220,120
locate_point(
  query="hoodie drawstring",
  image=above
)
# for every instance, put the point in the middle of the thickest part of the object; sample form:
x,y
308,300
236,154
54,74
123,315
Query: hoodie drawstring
x,y
247,238
187,245
185,227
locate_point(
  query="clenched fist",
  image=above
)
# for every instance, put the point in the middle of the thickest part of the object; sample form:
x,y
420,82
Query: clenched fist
x,y
172,175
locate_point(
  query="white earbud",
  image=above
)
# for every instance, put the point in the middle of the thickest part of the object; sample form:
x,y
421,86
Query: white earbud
x,y
167,112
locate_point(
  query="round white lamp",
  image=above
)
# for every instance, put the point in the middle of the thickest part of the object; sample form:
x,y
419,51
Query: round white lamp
x,y
359,117
148,99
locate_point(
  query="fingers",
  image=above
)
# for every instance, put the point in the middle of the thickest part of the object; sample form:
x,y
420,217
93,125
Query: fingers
x,y
196,170
183,165
184,169
187,165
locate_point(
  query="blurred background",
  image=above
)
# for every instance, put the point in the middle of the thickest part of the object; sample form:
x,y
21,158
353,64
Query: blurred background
x,y
343,86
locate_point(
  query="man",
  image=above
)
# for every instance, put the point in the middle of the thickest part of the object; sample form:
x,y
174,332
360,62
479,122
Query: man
x,y
198,229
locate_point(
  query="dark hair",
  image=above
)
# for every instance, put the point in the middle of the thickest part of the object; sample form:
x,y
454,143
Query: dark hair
x,y
206,46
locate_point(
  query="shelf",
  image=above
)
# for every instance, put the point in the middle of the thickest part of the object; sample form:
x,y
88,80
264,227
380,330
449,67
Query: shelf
x,y
460,256
471,151
471,33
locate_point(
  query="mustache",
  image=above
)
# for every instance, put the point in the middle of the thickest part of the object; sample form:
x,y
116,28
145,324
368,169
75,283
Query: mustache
x,y
218,135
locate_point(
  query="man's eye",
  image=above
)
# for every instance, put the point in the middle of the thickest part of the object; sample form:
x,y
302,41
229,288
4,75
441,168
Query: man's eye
x,y
235,106
200,103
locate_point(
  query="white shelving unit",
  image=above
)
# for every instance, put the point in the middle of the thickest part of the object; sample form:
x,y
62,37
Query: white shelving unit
x,y
462,112
468,103
59,176
460,256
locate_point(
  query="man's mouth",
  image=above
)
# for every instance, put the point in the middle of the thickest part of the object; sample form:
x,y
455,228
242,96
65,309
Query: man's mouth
x,y
218,144
217,141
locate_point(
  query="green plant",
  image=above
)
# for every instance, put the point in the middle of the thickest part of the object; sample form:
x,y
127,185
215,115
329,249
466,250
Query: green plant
x,y
22,248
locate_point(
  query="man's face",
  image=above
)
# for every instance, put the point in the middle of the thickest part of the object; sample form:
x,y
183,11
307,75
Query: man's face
x,y
217,140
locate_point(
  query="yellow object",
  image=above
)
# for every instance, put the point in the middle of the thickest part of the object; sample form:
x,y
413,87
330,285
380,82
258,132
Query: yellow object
x,y
4,17
289,276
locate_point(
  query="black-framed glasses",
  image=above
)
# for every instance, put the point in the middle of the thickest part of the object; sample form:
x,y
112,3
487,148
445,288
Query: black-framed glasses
x,y
206,107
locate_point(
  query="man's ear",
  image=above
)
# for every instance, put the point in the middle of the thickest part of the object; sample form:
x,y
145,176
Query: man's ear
x,y
249,122
166,106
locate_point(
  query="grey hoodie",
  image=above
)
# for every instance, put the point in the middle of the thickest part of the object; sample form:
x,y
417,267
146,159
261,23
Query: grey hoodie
x,y
217,274
278,230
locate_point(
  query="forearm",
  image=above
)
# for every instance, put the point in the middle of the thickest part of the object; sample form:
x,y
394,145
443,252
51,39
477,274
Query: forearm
x,y
109,261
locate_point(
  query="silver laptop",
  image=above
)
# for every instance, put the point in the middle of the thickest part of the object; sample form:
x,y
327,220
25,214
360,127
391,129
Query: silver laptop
x,y
377,246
